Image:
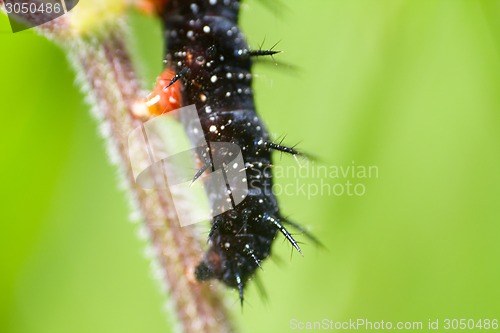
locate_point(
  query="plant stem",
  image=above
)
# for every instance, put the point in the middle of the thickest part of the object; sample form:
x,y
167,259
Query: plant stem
x,y
110,84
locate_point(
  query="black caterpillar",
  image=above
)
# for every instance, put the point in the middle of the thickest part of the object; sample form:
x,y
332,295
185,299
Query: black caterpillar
x,y
211,58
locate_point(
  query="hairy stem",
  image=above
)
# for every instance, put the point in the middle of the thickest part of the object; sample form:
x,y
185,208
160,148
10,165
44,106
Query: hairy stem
x,y
107,77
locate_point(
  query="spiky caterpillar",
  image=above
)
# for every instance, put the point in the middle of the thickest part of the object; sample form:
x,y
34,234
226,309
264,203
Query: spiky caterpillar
x,y
212,63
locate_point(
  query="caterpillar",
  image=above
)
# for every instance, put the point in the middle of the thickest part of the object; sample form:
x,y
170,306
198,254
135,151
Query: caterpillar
x,y
209,65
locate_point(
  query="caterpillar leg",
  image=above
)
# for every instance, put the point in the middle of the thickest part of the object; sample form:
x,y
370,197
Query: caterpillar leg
x,y
285,232
261,52
165,97
278,146
215,226
177,76
241,286
205,158
204,168
251,253
302,230
281,148
258,53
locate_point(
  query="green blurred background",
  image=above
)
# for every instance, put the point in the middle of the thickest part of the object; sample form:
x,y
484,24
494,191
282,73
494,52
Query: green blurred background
x,y
410,86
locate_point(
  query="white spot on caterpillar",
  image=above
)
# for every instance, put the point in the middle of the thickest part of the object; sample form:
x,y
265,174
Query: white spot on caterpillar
x,y
200,59
213,128
213,78
190,34
153,100
229,75
208,109
213,2
206,29
203,98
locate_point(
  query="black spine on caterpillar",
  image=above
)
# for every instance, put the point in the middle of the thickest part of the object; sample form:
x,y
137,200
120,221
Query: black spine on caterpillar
x,y
206,46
